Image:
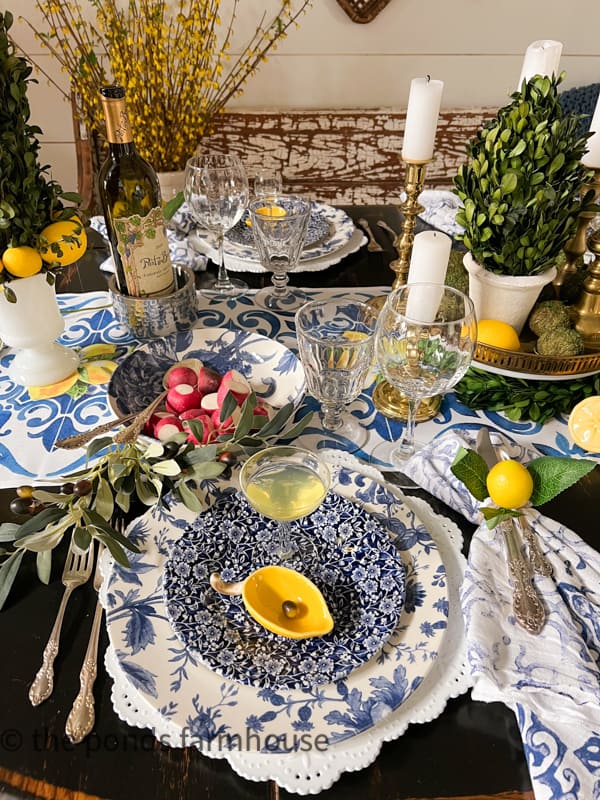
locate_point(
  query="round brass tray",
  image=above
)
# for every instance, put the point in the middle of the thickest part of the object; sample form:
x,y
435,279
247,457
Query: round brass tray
x,y
527,364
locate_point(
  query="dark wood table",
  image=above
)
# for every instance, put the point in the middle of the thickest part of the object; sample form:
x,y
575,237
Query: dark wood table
x,y
473,750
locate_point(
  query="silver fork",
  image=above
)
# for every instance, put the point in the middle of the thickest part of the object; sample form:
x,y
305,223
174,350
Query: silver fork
x,y
82,716
77,569
373,246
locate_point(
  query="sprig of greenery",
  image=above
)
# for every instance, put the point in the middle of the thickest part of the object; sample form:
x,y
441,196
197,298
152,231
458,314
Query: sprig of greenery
x,y
551,475
537,401
128,474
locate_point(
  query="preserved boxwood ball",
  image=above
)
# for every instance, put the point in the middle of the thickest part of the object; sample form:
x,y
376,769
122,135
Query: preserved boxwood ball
x,y
560,342
549,315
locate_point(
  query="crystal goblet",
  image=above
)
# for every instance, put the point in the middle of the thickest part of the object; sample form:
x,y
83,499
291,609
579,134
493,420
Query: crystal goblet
x,y
336,340
425,339
217,192
285,483
279,227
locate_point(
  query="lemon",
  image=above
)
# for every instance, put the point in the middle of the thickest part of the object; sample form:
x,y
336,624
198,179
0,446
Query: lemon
x,y
271,211
510,485
22,261
70,237
498,334
584,424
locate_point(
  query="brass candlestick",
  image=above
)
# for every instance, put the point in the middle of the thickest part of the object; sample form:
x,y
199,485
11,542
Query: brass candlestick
x,y
387,399
576,246
410,208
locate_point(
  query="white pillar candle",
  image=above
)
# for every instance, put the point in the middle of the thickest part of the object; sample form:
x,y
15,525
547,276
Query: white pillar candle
x,y
541,58
591,157
428,264
422,114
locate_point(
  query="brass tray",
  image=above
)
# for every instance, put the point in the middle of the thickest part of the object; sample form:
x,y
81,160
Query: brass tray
x,y
527,364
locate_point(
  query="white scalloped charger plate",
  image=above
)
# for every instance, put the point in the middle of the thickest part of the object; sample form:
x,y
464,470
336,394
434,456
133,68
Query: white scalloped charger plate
x,y
313,771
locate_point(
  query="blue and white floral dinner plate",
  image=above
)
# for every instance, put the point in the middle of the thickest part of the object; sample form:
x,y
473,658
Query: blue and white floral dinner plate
x,y
354,563
233,715
273,371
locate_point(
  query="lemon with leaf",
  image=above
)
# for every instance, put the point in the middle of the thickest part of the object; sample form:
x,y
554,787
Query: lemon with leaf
x,y
511,485
63,242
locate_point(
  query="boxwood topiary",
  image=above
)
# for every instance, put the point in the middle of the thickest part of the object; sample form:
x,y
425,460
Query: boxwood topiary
x,y
29,198
522,184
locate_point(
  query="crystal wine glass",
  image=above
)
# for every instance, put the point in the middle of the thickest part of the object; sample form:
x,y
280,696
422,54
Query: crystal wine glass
x,y
279,227
217,192
336,340
285,483
267,184
425,339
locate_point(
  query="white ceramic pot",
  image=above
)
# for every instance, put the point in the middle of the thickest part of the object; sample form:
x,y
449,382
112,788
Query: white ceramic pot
x,y
508,298
171,183
31,325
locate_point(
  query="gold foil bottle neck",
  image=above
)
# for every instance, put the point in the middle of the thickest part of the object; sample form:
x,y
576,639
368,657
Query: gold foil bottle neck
x,y
118,128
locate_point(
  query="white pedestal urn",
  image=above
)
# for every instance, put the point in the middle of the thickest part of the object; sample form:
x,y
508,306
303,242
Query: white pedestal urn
x,y
509,298
30,326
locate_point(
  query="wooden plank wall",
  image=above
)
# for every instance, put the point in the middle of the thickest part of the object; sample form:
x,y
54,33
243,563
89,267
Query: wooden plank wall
x,y
347,157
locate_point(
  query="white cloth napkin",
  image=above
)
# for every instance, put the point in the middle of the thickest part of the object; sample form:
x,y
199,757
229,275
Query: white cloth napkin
x,y
180,243
551,681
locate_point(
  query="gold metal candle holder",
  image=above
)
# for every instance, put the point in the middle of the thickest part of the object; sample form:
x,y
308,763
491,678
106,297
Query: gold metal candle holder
x,y
386,398
576,246
410,208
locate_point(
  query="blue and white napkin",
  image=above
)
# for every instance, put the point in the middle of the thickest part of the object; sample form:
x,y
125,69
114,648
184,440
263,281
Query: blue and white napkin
x,y
551,681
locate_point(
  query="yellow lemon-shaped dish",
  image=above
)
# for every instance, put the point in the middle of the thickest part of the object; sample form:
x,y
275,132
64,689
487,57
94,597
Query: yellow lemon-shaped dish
x,y
283,601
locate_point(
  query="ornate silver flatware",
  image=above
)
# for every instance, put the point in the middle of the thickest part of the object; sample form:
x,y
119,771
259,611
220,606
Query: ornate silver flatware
x,y
77,569
82,716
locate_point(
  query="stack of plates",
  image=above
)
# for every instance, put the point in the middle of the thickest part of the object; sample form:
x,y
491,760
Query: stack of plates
x,y
331,236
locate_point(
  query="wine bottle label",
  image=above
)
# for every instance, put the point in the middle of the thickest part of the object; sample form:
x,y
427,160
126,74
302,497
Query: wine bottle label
x,y
144,250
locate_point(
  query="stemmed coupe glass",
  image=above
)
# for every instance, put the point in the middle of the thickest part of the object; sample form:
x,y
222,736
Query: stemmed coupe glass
x,y
336,340
217,192
425,339
279,226
285,483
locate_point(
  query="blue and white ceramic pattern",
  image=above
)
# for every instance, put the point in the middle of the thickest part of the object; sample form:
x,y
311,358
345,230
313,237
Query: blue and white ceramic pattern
x,y
214,709
273,371
355,565
318,230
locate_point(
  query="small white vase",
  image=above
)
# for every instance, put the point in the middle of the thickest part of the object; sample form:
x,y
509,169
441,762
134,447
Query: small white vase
x,y
509,298
171,183
31,325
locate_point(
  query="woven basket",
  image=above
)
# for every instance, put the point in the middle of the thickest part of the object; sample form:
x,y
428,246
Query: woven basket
x,y
362,10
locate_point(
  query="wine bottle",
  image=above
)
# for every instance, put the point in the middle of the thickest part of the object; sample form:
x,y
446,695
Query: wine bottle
x,y
131,201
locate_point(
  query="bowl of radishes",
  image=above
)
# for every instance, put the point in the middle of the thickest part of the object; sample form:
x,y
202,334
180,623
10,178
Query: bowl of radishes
x,y
206,376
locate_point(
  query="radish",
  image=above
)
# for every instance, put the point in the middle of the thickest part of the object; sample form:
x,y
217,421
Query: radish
x,y
192,413
210,402
234,382
167,427
178,375
182,397
207,430
152,422
208,380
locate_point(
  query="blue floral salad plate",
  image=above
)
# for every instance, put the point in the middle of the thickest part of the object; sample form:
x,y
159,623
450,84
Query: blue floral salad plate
x,y
202,707
354,563
273,371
